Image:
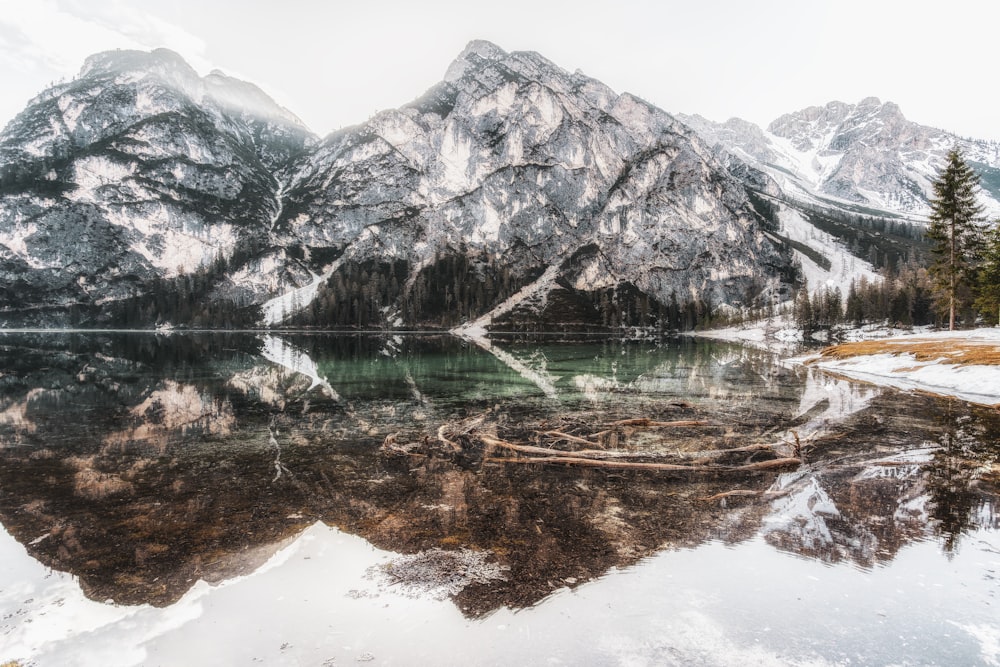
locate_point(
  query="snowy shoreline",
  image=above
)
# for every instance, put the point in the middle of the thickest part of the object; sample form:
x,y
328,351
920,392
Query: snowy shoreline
x,y
901,368
895,366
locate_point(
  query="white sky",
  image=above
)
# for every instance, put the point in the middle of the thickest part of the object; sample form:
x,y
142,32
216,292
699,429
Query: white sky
x,y
335,62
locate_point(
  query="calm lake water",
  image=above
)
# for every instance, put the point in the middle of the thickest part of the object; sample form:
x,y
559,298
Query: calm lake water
x,y
244,498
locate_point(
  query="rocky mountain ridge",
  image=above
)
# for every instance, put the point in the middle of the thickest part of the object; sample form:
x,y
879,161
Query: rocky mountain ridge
x,y
516,163
143,194
136,171
864,155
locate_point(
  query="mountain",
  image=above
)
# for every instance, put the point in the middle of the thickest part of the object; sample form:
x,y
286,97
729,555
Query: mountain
x,y
136,171
524,177
512,194
865,155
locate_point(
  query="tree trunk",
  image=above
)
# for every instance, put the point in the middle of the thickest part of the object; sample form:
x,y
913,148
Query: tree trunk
x,y
951,271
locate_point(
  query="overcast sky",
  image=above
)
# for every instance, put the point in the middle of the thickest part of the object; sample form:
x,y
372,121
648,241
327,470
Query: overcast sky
x,y
335,63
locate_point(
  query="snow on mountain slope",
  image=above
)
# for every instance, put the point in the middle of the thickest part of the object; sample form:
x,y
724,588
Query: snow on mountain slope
x,y
844,267
514,161
864,154
138,170
190,198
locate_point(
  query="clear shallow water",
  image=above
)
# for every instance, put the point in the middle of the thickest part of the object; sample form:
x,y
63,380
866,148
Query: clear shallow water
x,y
143,465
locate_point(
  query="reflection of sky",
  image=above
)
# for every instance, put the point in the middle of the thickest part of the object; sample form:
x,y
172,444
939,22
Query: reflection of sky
x,y
316,601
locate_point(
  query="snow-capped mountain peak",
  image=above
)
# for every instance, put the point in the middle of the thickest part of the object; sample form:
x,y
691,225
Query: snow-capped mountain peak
x,y
475,54
866,154
510,177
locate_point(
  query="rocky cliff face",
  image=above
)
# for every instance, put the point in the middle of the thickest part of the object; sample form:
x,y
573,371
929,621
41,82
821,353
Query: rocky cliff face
x,y
865,154
551,176
136,171
510,191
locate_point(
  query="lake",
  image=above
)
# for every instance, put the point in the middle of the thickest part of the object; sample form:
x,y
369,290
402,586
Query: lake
x,y
306,499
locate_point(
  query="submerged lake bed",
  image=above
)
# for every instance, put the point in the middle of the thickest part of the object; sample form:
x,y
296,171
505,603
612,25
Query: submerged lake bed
x,y
325,499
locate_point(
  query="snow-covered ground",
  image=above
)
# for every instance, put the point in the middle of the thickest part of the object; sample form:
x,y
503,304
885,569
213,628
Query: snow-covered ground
x,y
777,334
476,329
899,367
283,306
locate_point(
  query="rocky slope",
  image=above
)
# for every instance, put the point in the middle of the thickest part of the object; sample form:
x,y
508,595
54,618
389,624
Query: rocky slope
x,y
865,154
511,193
136,171
517,174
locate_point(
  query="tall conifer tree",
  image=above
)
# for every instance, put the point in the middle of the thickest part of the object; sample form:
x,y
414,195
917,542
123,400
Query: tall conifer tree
x,y
954,232
988,277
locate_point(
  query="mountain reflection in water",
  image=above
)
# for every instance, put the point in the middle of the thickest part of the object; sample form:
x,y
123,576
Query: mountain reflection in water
x,y
143,463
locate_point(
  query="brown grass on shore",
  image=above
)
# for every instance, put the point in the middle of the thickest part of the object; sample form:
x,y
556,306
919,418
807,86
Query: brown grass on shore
x,y
958,352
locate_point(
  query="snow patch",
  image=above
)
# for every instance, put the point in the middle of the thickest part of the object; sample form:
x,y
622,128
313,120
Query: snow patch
x,y
973,383
456,153
280,308
174,243
94,172
71,109
545,284
15,237
844,267
259,275
594,275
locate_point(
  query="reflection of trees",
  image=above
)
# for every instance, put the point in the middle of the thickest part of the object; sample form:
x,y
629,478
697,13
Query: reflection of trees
x,y
160,524
878,493
961,499
859,513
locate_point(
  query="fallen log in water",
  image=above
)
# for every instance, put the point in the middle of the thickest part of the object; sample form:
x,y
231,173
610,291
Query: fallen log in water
x,y
443,439
774,464
715,453
730,494
464,435
621,424
457,430
613,454
649,423
559,435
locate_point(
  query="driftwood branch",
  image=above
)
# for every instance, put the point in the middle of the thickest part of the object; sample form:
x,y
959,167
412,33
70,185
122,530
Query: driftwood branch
x,y
649,423
730,494
604,455
623,423
463,428
559,435
445,441
774,464
460,435
713,453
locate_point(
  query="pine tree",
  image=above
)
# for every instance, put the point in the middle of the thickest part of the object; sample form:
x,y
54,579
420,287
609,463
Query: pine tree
x,y
804,315
855,311
988,277
954,232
